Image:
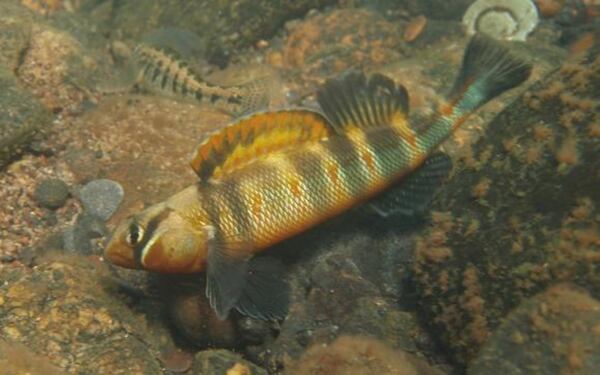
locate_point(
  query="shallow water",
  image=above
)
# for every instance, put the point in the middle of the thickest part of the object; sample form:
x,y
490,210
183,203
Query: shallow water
x,y
500,270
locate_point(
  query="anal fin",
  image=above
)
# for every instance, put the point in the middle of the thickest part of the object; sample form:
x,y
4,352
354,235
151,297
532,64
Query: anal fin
x,y
412,195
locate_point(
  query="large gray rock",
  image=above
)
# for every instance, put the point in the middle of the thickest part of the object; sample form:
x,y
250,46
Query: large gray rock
x,y
21,117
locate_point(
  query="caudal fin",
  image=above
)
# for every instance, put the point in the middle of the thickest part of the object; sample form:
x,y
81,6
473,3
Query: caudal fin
x,y
488,69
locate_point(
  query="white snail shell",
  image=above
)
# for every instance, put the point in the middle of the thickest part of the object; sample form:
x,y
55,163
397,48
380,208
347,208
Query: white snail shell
x,y
502,19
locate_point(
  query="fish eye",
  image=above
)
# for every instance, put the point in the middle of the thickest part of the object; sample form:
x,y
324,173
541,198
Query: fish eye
x,y
135,234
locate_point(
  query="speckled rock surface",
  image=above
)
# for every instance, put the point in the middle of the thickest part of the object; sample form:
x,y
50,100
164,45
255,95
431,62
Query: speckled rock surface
x,y
223,362
17,359
21,117
329,43
101,198
555,332
15,31
141,142
519,215
356,355
63,310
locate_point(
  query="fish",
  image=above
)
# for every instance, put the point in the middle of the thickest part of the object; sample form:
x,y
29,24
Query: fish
x,y
163,62
271,175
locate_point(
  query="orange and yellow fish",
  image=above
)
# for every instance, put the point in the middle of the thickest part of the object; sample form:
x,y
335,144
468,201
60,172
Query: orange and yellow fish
x,y
272,175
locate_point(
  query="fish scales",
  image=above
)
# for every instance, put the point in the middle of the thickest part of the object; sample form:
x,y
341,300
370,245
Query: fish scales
x,y
286,193
271,175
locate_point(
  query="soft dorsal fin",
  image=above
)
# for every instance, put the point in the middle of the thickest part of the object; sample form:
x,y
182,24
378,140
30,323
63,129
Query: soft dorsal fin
x,y
354,103
250,137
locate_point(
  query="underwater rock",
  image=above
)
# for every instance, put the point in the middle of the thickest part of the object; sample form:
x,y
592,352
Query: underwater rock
x,y
554,332
520,214
59,311
435,9
223,362
346,278
15,32
190,314
355,355
101,198
223,26
17,359
76,239
56,68
329,43
21,117
51,193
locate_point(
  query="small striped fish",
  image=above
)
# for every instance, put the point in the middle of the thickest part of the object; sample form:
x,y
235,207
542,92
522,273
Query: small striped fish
x,y
163,70
272,175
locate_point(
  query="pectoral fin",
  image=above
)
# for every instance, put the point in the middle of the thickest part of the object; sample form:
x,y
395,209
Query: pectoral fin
x,y
256,287
265,294
225,275
412,195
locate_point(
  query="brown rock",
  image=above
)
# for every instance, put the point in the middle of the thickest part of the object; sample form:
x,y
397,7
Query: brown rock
x,y
65,310
354,355
17,359
224,362
329,43
557,331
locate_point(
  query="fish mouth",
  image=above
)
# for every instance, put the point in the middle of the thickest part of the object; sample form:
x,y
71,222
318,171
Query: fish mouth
x,y
122,257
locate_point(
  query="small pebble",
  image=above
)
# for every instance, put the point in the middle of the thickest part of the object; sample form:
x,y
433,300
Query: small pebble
x,y
7,259
51,193
177,361
415,28
101,198
27,256
253,331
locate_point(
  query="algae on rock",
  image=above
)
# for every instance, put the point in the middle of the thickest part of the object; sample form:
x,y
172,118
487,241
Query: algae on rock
x,y
522,214
223,26
21,117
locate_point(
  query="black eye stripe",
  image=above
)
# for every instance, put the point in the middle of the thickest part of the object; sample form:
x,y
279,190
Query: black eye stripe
x,y
152,225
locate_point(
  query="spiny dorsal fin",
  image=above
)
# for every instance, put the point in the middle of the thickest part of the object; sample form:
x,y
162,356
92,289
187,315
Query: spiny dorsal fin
x,y
354,103
251,137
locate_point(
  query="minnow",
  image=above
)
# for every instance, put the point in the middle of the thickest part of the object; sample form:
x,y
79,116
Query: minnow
x,y
161,70
269,176
161,63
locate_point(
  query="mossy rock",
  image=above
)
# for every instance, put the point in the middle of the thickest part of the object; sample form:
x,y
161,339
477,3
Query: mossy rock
x,y
66,309
520,214
555,332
